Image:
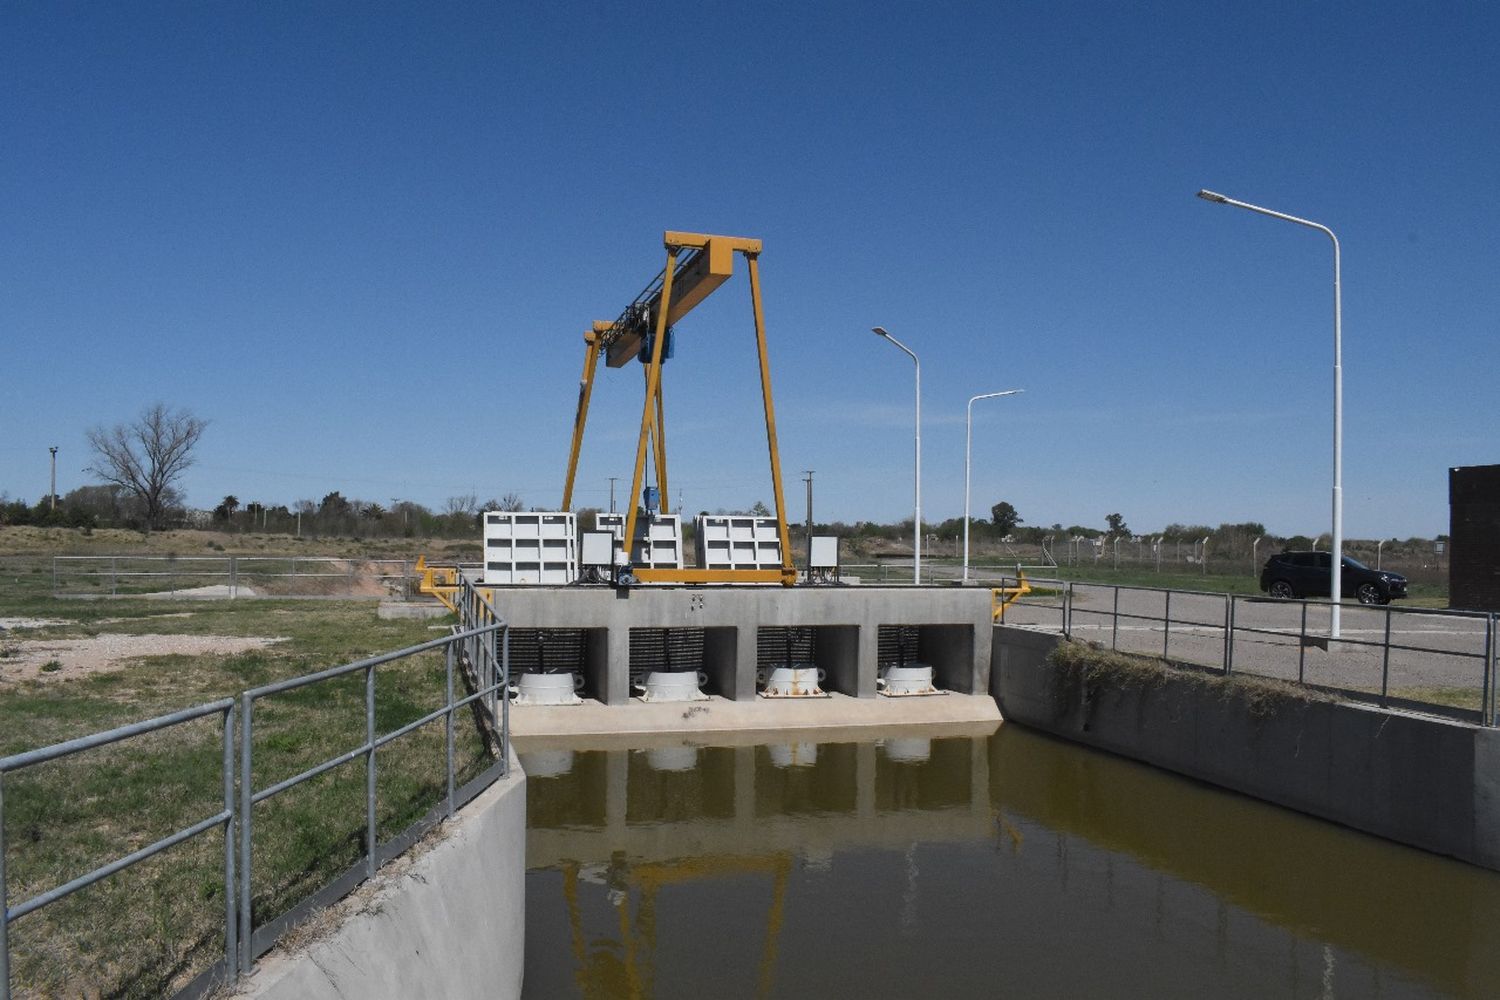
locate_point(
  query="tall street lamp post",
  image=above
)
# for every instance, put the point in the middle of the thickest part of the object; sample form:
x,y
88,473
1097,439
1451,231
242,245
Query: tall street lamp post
x,y
968,451
916,552
1336,590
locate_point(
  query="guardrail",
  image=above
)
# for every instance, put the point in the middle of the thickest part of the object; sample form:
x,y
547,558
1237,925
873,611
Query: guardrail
x,y
484,647
241,576
1278,634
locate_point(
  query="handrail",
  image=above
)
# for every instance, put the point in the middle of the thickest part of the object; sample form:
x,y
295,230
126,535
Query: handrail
x,y
1231,626
485,647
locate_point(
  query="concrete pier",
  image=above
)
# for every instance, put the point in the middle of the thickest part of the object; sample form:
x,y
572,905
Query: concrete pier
x,y
952,624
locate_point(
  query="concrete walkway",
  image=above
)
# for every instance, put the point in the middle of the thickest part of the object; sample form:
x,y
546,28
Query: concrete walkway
x,y
766,715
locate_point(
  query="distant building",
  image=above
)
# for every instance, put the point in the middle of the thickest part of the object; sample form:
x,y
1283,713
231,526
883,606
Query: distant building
x,y
1474,537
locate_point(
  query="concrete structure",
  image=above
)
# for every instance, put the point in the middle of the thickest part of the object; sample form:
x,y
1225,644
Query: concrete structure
x,y
761,716
451,924
1418,780
1474,538
953,629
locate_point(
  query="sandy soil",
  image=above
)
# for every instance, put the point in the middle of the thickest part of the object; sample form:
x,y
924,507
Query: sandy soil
x,y
23,659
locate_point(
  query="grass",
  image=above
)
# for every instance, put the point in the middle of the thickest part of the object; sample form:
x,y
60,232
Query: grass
x,y
146,931
1086,666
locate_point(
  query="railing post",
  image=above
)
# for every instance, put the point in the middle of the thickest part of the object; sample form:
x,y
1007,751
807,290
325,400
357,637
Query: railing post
x,y
231,945
247,935
234,577
1490,662
1385,662
448,650
370,863
505,701
1114,622
114,573
1228,634
4,909
1302,645
1166,627
54,594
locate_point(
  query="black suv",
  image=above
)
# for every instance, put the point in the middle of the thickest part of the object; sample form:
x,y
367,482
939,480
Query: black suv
x,y
1307,574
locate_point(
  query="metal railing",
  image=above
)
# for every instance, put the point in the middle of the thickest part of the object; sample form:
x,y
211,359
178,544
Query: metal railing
x,y
483,648
1268,637
241,576
224,818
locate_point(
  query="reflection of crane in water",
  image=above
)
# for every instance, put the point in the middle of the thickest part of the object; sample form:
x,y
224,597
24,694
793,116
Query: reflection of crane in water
x,y
600,974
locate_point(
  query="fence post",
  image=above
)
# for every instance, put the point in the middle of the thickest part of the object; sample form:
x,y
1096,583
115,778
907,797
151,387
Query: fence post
x,y
231,946
1068,610
54,594
1166,626
449,658
1114,621
234,577
1490,663
1228,634
370,864
247,805
1385,662
114,566
505,702
4,910
1302,645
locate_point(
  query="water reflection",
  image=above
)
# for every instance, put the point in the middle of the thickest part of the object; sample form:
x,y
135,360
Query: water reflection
x,y
967,866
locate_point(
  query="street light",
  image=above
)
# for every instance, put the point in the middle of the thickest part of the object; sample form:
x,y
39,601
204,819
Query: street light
x,y
968,449
916,552
1336,571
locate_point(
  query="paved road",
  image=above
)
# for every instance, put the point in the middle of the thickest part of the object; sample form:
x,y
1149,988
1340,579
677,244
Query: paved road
x,y
1445,651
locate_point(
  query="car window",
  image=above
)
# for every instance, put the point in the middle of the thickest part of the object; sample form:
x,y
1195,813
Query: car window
x,y
1323,560
1354,564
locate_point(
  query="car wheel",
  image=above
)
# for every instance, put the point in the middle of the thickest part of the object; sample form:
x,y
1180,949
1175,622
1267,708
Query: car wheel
x,y
1368,593
1282,590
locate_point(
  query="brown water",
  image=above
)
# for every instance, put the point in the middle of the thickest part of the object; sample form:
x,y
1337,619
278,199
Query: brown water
x,y
1008,865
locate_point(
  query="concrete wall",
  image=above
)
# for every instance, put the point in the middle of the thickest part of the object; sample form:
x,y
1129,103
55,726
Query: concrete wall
x,y
452,924
954,624
1426,782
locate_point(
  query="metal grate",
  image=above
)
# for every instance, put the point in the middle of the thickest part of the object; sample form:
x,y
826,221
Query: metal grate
x,y
546,650
663,649
771,645
896,644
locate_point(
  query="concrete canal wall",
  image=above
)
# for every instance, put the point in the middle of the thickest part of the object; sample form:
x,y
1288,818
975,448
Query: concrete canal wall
x,y
1422,781
451,924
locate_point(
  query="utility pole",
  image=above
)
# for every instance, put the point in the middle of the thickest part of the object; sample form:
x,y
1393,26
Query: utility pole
x,y
612,493
808,481
53,493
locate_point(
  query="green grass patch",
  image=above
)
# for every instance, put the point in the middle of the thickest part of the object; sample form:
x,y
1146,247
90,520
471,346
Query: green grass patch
x,y
146,932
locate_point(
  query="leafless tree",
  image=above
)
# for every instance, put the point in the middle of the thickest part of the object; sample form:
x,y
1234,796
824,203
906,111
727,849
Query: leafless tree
x,y
147,456
461,505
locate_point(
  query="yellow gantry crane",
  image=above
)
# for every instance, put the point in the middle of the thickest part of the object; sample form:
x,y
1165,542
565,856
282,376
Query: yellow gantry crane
x,y
697,264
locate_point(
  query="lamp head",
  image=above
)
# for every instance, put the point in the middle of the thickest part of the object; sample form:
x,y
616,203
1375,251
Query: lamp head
x,y
1213,196
879,331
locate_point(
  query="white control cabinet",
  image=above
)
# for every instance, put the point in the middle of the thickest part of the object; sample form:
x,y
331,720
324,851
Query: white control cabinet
x,y
539,547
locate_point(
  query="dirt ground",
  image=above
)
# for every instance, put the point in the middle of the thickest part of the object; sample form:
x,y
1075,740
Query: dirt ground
x,y
57,659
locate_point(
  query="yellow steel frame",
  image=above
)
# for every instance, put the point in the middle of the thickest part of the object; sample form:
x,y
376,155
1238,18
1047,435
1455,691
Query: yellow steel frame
x,y
708,268
1003,597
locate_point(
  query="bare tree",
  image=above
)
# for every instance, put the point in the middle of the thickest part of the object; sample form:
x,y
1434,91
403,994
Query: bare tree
x,y
461,505
146,457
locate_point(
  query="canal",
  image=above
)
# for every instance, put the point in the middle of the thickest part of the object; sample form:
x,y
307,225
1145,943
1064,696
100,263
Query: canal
x,y
1008,864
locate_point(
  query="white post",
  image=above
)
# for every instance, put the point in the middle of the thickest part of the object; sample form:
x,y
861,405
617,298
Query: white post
x,y
916,552
1336,583
968,455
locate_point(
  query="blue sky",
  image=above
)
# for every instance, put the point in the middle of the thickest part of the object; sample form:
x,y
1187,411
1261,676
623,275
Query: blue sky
x,y
364,241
